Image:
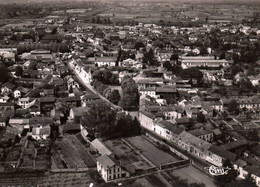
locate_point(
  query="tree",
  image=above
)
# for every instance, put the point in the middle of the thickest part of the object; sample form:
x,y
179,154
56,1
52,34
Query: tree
x,y
233,106
174,57
222,180
150,59
236,69
99,120
4,75
128,126
192,73
201,118
139,45
126,102
129,88
245,85
114,97
248,182
18,71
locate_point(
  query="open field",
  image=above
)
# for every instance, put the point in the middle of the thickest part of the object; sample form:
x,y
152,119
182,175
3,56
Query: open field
x,y
74,155
152,153
129,158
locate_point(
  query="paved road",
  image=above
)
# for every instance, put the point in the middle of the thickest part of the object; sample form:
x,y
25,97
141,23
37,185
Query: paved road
x,y
89,87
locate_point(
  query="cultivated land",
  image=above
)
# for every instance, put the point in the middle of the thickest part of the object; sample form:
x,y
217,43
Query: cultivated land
x,y
70,153
152,153
128,156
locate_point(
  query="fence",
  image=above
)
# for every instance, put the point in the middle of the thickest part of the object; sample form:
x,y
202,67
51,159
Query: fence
x,y
175,164
69,170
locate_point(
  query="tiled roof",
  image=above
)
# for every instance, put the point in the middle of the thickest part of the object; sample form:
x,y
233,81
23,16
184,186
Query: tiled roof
x,y
222,153
100,147
106,161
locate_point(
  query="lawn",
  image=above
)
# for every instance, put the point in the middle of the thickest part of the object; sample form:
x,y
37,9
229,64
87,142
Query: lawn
x,y
152,153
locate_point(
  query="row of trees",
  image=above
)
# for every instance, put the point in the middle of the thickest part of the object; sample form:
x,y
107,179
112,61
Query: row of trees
x,y
101,120
150,59
111,94
193,74
106,77
101,80
130,97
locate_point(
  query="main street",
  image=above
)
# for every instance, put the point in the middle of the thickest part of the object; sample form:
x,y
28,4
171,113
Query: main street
x,y
90,88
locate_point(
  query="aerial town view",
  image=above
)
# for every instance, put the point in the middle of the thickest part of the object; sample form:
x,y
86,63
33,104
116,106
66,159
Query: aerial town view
x,y
132,93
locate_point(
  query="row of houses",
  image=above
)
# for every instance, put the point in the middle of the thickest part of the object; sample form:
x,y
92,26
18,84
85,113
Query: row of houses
x,y
198,146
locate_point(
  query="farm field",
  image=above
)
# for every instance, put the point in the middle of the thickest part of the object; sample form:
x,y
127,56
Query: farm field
x,y
150,151
129,158
70,153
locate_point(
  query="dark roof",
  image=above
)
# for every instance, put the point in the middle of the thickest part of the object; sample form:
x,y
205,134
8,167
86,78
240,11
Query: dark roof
x,y
222,153
8,85
106,161
182,120
253,170
199,132
46,99
234,145
71,126
148,114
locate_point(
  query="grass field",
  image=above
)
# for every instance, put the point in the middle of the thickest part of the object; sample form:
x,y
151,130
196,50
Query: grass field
x,y
152,153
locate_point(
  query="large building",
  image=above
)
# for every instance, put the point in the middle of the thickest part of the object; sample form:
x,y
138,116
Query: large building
x,y
203,61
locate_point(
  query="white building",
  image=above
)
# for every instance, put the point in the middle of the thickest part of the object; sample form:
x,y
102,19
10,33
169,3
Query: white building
x,y
198,61
110,169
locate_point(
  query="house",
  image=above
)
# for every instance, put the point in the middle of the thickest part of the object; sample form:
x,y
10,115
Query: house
x,y
218,155
26,102
7,88
77,112
47,103
2,122
71,83
146,120
244,169
99,147
71,127
17,93
105,61
88,97
72,101
164,55
7,109
41,132
250,103
206,135
110,169
237,147
15,130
